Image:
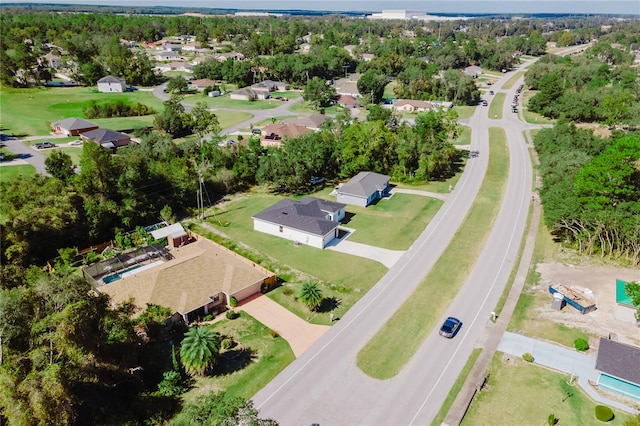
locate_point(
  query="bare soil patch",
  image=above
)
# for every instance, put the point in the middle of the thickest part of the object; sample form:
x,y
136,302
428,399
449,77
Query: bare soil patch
x,y
609,319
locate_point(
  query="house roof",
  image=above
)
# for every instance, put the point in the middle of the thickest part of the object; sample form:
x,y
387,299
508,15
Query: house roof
x,y
244,91
364,184
199,270
619,360
347,100
203,82
284,129
348,88
306,215
104,135
174,230
313,121
74,124
111,79
414,103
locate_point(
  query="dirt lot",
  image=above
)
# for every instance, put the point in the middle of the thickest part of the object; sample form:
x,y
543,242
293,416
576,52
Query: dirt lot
x,y
609,317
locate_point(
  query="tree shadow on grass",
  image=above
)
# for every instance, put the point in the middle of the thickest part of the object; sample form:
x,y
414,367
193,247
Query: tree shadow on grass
x,y
328,304
234,360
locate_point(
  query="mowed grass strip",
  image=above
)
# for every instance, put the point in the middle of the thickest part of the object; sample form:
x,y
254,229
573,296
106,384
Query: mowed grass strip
x,y
514,78
525,394
457,387
13,172
419,314
495,106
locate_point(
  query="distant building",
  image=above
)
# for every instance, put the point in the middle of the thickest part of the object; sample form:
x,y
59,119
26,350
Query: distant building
x,y
72,126
107,138
406,15
111,84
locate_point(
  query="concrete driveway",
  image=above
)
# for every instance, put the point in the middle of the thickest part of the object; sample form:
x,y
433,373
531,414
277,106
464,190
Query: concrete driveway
x,y
387,257
298,332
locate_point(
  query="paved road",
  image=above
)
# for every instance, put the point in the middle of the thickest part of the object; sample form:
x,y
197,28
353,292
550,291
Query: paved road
x,y
28,154
325,386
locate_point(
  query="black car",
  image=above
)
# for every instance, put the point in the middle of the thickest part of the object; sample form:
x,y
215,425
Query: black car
x,y
45,144
450,327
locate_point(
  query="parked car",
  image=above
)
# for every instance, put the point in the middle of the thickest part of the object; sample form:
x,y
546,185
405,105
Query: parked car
x,y
485,103
491,92
76,142
45,144
450,327
315,180
256,131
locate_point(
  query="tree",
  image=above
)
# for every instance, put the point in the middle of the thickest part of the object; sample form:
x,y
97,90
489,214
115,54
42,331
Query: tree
x,y
176,84
319,93
633,291
215,409
372,83
173,120
204,122
60,166
310,295
199,350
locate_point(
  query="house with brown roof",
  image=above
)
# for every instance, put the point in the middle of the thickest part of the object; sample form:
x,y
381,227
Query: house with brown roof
x,y
268,86
202,83
311,221
273,134
412,105
347,101
72,126
312,121
107,138
199,279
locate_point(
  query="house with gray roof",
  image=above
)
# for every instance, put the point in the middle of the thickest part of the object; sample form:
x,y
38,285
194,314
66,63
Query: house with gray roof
x,y
72,126
619,367
107,138
363,189
311,221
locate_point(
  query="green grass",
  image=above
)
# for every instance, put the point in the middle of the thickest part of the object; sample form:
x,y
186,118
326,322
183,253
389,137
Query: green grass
x,y
231,118
411,324
276,119
226,102
290,94
272,355
457,387
388,90
305,107
406,214
525,394
464,111
10,173
513,80
30,111
464,136
495,106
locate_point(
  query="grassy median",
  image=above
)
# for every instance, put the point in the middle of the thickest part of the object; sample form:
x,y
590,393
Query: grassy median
x,y
412,323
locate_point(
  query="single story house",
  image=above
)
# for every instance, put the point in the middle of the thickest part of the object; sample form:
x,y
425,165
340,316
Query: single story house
x,y
363,189
107,138
412,105
473,71
312,121
349,88
111,84
245,94
311,221
72,126
347,101
619,367
222,57
273,134
172,47
268,86
202,83
200,279
192,46
167,56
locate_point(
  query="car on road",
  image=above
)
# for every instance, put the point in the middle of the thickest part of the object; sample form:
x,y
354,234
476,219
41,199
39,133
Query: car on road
x,y
76,142
485,103
491,92
45,144
450,327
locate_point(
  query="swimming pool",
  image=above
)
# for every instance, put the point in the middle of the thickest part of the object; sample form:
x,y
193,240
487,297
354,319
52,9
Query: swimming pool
x,y
130,271
621,387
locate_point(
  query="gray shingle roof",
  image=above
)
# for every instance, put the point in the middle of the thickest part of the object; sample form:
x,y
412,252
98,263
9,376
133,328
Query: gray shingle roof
x,y
619,360
111,79
364,184
104,135
306,215
74,124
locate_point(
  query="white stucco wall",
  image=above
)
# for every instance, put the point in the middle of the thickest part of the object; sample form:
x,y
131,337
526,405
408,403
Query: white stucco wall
x,y
349,199
291,234
110,87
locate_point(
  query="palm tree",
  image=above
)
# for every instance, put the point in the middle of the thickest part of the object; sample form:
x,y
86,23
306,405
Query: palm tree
x,y
310,294
199,349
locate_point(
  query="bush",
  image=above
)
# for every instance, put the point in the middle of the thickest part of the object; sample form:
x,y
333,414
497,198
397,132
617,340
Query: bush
x,y
581,344
233,302
604,413
552,420
231,314
527,357
287,291
273,333
227,343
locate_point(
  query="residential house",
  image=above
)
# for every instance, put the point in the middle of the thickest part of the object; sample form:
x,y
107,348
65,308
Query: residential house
x,y
202,83
107,138
312,121
172,47
311,221
176,66
268,86
72,126
52,61
192,46
363,189
111,84
245,94
198,280
167,56
347,101
473,71
619,367
349,88
273,134
412,105
222,57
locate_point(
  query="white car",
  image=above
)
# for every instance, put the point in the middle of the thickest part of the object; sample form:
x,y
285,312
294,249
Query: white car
x,y
76,142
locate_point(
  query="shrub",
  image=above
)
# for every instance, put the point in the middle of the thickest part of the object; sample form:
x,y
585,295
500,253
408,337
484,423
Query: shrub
x,y
552,419
233,302
527,357
231,314
273,333
227,343
581,344
287,291
604,413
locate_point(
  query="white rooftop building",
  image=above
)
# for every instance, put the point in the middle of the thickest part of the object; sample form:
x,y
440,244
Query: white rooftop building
x,y
409,15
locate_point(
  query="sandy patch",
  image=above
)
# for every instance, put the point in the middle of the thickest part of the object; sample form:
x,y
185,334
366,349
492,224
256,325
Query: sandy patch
x,y
609,318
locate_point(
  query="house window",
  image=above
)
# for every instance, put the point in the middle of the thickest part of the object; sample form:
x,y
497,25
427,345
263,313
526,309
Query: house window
x,y
216,298
281,228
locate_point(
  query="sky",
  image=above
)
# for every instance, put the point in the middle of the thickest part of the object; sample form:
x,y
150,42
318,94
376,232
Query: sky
x,y
440,6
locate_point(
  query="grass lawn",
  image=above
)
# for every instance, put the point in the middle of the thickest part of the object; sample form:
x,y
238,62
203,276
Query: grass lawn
x,y
525,394
411,324
121,124
226,102
464,111
464,136
231,118
509,84
406,214
530,116
290,94
9,173
457,387
29,111
247,374
495,106
272,120
305,107
388,90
